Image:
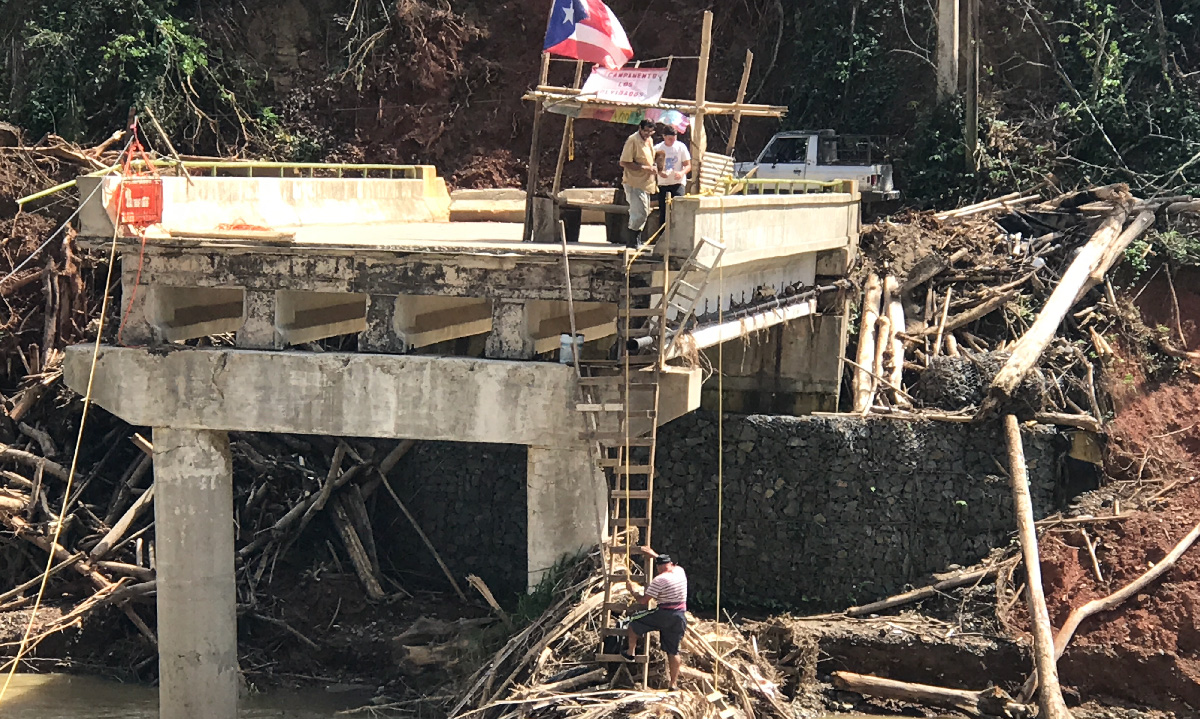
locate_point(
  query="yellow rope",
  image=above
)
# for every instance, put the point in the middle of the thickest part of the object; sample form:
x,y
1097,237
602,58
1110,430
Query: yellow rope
x,y
87,403
720,429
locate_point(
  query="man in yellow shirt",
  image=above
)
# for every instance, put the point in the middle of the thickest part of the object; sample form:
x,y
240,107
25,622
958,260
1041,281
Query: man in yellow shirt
x,y
637,161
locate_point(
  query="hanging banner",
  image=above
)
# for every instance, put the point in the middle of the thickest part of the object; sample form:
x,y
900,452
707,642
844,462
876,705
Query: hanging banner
x,y
630,84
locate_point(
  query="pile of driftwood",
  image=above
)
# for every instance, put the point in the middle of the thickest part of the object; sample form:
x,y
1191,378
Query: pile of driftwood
x,y
103,530
547,669
105,552
1044,260
1000,291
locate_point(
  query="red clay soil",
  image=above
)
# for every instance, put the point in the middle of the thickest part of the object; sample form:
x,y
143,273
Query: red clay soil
x,y
1174,305
1148,650
1156,433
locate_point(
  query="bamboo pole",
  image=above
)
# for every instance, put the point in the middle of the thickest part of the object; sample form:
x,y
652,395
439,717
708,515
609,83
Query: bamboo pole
x,y
1050,698
861,383
741,97
941,328
699,140
568,132
535,150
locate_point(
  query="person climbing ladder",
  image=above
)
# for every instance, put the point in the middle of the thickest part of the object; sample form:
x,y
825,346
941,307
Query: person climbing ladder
x,y
669,617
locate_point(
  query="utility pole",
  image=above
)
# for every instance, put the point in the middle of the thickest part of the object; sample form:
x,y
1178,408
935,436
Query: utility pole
x,y
947,48
958,66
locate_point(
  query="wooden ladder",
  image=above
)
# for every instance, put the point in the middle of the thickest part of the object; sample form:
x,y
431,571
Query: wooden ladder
x,y
683,293
621,399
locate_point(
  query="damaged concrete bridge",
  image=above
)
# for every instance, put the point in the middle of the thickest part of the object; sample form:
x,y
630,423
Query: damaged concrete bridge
x,y
455,329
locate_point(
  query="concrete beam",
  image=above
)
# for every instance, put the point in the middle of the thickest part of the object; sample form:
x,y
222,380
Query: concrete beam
x,y
566,500
363,395
551,318
197,604
258,330
765,227
310,316
427,320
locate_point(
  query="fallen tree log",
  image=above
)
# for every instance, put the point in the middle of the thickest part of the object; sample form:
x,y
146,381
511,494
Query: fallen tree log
x,y
988,702
1104,604
32,460
862,383
122,526
895,313
917,595
595,676
965,318
356,551
1100,251
1080,421
1178,208
1050,699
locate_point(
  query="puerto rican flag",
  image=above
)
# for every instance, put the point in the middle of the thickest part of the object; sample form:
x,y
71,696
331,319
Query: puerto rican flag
x,y
587,30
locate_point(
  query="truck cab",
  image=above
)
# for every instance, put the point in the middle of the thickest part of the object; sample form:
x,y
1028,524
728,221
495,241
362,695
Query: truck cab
x,y
824,156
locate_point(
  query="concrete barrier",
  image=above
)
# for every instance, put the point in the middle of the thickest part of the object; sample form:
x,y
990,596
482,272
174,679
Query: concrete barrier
x,y
508,204
764,227
203,203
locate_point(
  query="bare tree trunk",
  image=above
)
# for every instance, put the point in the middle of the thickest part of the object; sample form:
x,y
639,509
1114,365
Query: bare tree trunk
x,y
1050,698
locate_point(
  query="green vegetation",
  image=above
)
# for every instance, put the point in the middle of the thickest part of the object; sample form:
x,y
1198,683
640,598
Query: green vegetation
x,y
76,68
1091,90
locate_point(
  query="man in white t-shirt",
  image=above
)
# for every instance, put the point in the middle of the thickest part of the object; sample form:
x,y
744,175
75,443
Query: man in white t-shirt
x,y
677,162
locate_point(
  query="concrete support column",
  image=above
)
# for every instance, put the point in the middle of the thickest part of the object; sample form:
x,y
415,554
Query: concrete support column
x,y
381,335
258,328
137,330
511,337
566,500
197,615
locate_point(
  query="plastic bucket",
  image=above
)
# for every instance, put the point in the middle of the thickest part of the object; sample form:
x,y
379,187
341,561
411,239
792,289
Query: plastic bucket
x,y
567,352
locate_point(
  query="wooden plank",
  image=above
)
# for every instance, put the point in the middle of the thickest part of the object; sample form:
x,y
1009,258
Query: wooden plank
x,y
617,437
605,407
633,469
620,522
629,495
638,659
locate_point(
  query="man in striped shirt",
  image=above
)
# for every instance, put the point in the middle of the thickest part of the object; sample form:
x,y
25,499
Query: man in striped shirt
x,y
669,618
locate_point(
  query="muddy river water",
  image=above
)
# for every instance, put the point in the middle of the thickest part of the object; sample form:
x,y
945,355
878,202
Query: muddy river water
x,y
62,696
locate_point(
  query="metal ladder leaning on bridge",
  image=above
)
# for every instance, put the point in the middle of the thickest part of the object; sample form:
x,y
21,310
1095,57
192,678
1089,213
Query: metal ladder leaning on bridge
x,y
624,429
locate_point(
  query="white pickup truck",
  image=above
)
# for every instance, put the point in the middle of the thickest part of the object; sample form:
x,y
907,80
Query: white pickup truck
x,y
823,155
